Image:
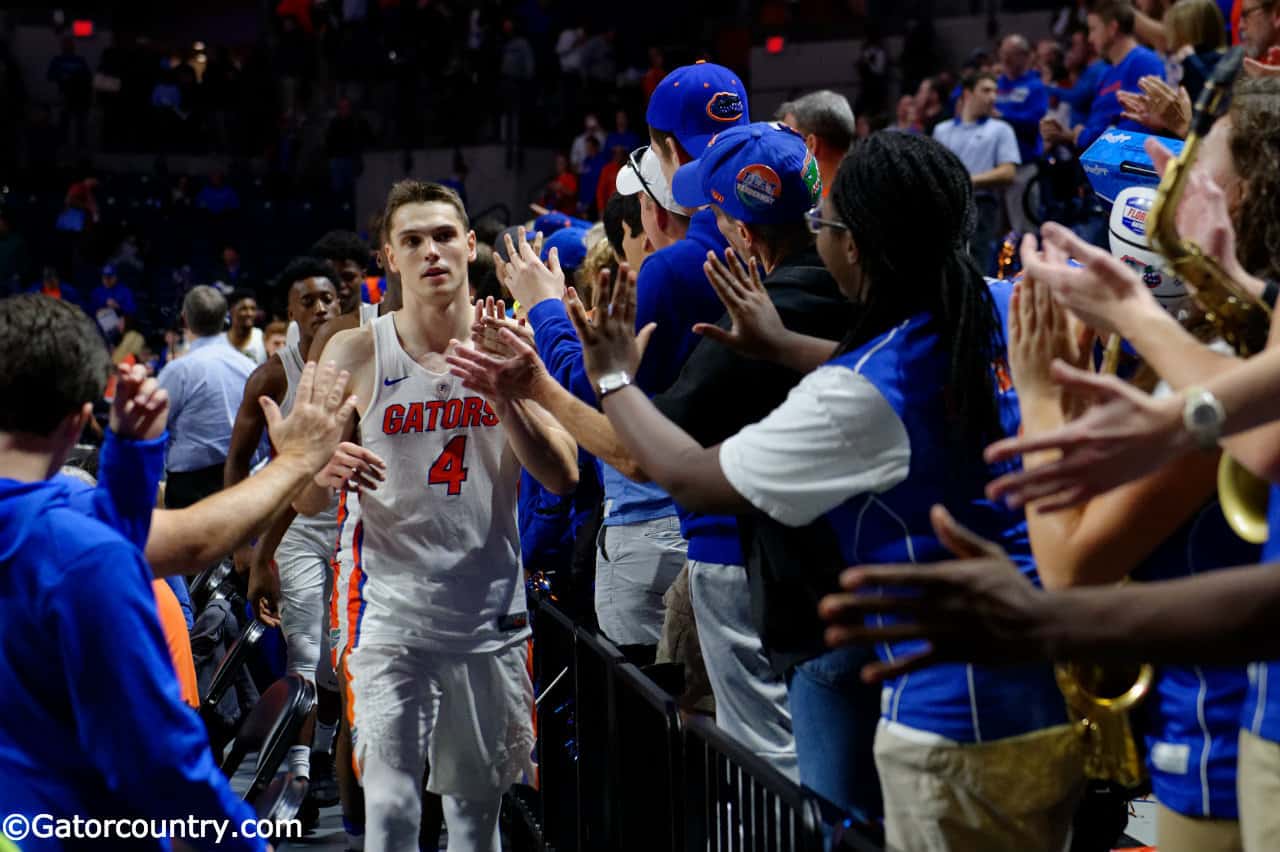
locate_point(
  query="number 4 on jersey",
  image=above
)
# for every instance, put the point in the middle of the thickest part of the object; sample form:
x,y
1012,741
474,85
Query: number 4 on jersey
x,y
448,469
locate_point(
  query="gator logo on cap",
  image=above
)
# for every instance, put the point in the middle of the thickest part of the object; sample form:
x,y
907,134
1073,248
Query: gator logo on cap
x,y
812,177
758,186
725,106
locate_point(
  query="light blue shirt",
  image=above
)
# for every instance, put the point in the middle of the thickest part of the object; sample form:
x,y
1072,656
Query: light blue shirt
x,y
981,145
205,388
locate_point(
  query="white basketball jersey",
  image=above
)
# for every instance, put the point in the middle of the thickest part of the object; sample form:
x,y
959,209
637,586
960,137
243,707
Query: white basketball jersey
x,y
291,358
436,543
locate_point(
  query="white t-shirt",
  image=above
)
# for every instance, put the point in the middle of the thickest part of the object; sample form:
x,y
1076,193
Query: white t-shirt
x,y
255,349
833,438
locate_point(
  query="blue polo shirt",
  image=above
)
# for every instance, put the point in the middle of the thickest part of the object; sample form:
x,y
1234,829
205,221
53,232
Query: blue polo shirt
x,y
1022,103
205,388
981,145
1123,76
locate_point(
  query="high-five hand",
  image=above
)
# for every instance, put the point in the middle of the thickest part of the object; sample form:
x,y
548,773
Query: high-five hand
x,y
610,342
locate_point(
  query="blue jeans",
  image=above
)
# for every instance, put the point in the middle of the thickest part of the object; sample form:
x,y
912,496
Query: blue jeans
x,y
834,716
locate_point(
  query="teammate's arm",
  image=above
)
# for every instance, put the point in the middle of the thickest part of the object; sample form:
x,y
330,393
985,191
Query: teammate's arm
x,y
542,445
264,578
268,379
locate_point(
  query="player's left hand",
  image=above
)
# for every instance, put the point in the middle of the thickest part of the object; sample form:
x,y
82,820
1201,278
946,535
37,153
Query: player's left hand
x,y
609,339
140,409
491,318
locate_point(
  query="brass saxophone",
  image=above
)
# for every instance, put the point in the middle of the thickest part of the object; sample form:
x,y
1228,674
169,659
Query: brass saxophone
x,y
1237,315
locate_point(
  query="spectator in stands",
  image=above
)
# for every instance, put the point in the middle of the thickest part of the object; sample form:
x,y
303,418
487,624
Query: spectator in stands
x,y
70,73
205,387
589,176
590,130
1111,35
622,137
873,79
14,260
562,192
905,116
1051,62
63,749
1195,31
1260,29
656,71
216,196
230,271
244,335
825,120
609,175
274,337
1084,78
110,304
624,229
516,71
1021,100
989,150
51,285
344,142
350,256
930,104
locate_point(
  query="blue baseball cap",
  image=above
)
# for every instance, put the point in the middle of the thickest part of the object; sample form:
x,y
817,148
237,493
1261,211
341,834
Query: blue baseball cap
x,y
549,223
571,244
695,102
108,271
760,174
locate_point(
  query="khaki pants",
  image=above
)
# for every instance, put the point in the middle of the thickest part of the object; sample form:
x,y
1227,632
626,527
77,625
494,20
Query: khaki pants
x,y
1178,833
1016,794
679,644
1258,789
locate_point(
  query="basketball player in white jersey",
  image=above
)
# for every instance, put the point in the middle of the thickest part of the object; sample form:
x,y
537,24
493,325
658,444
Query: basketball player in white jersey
x,y
437,659
292,558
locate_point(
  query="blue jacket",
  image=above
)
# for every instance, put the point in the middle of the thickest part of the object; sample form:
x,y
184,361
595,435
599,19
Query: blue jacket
x,y
964,703
91,722
1080,96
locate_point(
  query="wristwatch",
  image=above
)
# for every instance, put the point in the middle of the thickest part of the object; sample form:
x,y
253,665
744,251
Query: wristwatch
x,y
1202,417
610,382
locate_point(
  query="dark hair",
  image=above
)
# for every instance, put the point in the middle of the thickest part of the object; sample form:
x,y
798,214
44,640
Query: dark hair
x,y
1120,11
52,362
908,204
482,273
410,191
784,239
239,295
300,269
664,137
970,81
337,246
488,229
619,209
1255,153
205,310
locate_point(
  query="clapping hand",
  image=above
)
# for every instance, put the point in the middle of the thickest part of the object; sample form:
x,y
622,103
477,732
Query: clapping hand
x,y
1158,106
610,342
756,330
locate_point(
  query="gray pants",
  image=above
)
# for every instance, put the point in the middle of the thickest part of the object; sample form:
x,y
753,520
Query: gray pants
x,y
635,565
751,699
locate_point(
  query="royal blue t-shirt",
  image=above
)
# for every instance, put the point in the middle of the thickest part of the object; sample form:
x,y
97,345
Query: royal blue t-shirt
x,y
1022,102
1123,76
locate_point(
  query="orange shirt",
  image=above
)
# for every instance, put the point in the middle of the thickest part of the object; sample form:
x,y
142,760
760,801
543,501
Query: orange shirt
x,y
176,636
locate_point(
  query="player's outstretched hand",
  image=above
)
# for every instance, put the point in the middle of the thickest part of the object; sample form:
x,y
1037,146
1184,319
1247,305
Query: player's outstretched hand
x,y
499,378
609,339
978,608
319,417
529,279
1124,436
491,317
140,409
757,330
352,468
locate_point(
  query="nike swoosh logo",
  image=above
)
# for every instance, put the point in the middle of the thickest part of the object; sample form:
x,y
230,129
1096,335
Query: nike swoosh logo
x,y
390,382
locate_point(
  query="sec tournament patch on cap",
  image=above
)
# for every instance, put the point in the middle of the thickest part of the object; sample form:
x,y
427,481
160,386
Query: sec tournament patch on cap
x,y
758,186
725,106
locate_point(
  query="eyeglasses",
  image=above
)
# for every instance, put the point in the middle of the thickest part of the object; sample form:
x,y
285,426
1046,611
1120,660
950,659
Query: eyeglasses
x,y
813,218
633,160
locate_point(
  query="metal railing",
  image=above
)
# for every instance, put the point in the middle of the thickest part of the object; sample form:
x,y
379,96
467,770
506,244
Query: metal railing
x,y
621,769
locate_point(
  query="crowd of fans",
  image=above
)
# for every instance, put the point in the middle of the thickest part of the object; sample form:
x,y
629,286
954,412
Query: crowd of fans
x,y
729,359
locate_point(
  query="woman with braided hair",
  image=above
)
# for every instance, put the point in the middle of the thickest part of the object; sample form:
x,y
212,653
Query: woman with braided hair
x,y
886,425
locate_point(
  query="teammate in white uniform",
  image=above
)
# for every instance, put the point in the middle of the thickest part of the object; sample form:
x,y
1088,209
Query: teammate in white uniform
x,y
289,571
437,660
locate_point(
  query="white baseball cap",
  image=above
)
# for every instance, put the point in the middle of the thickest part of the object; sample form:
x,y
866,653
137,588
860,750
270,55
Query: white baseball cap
x,y
643,173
